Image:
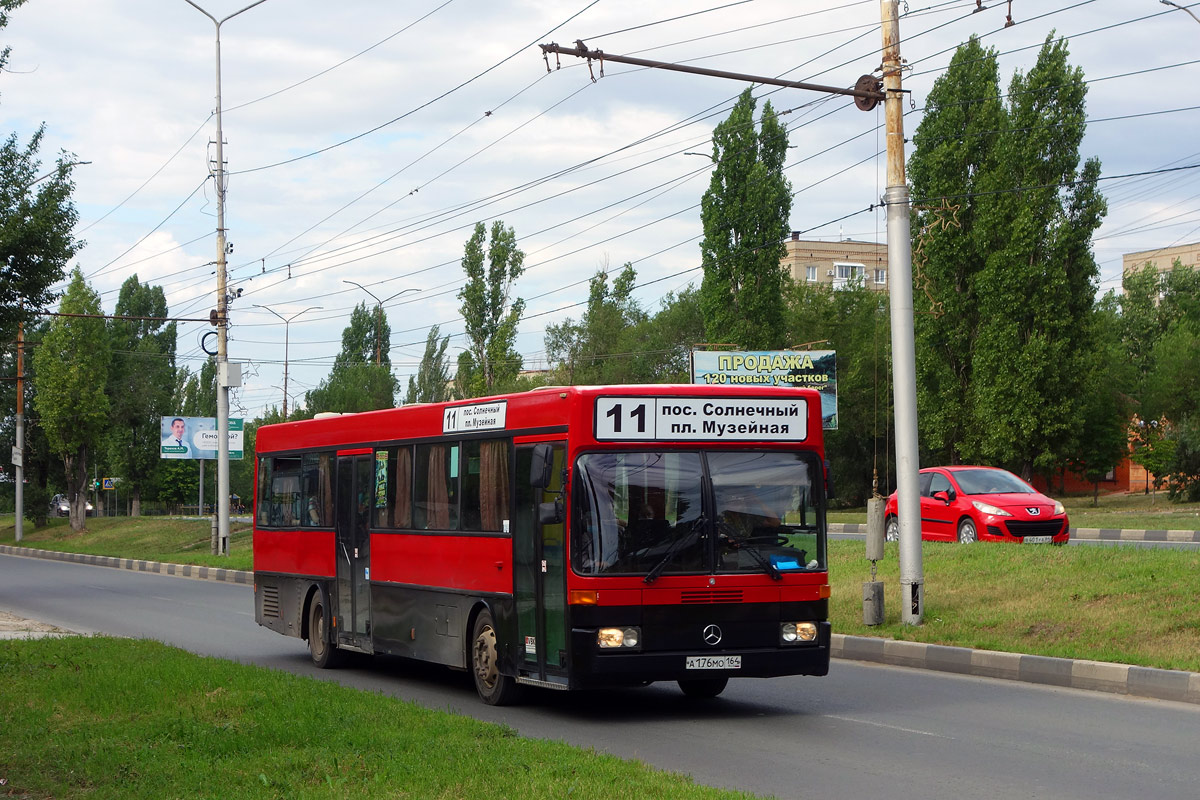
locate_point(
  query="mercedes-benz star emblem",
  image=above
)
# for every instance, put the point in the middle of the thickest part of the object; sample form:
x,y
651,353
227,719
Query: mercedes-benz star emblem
x,y
712,635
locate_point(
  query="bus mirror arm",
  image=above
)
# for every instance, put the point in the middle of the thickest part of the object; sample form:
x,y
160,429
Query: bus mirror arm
x,y
541,465
551,513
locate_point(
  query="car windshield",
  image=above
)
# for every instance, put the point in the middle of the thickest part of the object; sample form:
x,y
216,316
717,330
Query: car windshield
x,y
991,481
647,513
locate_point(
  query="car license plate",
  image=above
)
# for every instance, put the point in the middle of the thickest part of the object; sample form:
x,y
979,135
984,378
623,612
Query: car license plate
x,y
714,662
1038,539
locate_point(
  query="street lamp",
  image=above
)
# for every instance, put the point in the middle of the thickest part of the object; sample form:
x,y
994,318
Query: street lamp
x,y
287,321
1181,8
226,377
379,312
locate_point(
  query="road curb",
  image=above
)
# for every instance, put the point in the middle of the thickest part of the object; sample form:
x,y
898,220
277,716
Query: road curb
x,y
157,567
1099,676
1086,534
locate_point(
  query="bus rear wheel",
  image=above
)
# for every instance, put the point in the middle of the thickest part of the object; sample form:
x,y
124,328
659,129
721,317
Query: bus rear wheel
x,y
320,645
493,688
703,687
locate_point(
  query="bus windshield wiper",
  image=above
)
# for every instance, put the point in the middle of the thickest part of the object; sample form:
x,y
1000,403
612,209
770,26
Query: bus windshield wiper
x,y
742,543
675,547
756,554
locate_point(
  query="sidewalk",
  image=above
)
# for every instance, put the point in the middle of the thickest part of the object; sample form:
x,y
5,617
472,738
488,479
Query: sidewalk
x,y
14,627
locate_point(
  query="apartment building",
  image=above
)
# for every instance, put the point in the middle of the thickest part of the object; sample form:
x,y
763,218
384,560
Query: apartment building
x,y
1163,258
836,263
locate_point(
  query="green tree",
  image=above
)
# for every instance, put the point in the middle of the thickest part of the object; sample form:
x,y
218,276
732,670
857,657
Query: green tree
x,y
431,384
955,146
367,339
1007,270
490,363
853,322
140,381
667,338
602,347
745,214
1104,435
356,383
72,366
1038,286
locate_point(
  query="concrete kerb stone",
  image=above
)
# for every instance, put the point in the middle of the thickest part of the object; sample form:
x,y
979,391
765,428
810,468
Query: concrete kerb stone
x,y
157,567
1090,534
1162,684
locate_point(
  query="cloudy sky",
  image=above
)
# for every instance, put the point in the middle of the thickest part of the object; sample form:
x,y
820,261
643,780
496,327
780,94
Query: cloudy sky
x,y
365,139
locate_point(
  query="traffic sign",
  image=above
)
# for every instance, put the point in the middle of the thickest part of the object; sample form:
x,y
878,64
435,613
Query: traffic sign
x,y
108,483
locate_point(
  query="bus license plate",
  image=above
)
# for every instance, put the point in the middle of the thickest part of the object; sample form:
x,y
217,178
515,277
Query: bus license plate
x,y
714,662
1038,539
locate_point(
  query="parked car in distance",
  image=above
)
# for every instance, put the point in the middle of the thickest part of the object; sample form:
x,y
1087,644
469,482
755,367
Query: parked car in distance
x,y
969,504
60,506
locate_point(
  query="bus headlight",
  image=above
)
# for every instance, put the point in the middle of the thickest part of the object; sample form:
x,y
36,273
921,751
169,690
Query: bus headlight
x,y
797,632
608,638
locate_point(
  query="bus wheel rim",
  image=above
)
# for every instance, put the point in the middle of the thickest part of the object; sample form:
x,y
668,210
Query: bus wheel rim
x,y
485,657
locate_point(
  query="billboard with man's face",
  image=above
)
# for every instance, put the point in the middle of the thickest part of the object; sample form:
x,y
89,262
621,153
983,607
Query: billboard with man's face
x,y
196,438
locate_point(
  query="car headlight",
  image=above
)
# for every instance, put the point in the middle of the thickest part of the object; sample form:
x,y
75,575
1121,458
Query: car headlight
x,y
609,638
1059,508
797,632
988,508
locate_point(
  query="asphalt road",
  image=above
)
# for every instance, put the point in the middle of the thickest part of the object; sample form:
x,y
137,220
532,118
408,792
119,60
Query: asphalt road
x,y
864,731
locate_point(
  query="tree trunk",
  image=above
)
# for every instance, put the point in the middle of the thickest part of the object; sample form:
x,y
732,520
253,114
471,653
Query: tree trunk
x,y
1095,494
135,507
75,467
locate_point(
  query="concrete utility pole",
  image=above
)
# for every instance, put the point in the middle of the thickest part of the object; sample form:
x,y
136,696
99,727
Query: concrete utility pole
x,y
19,450
904,358
228,375
866,94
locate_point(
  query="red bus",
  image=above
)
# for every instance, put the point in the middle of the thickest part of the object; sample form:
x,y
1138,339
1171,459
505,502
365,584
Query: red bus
x,y
562,538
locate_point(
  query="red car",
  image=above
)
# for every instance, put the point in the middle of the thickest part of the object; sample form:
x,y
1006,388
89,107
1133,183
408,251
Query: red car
x,y
970,504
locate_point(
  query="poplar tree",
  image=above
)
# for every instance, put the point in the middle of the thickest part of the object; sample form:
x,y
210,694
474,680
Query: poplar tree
x,y
745,214
72,370
490,363
140,383
1003,263
431,384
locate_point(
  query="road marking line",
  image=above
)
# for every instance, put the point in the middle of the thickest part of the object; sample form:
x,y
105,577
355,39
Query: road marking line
x,y
885,725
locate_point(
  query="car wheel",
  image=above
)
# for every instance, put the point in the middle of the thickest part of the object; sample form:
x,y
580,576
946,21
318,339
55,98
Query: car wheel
x,y
703,687
494,688
967,532
891,529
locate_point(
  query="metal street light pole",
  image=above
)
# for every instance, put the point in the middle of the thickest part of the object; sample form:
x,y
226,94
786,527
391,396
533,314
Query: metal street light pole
x,y
287,321
225,376
379,312
1181,8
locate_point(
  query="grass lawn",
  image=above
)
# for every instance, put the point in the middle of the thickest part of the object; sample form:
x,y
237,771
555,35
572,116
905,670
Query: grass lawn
x,y
1121,604
179,541
1134,510
102,718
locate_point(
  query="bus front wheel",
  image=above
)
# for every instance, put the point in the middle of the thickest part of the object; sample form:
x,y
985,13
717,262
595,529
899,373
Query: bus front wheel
x,y
493,688
320,645
703,687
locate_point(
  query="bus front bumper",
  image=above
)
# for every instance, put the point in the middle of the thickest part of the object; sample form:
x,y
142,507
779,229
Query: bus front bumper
x,y
594,667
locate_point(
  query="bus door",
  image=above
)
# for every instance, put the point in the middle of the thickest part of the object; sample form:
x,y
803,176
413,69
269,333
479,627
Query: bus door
x,y
539,566
355,478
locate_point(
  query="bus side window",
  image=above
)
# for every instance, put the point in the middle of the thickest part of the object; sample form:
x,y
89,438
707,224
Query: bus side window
x,y
435,472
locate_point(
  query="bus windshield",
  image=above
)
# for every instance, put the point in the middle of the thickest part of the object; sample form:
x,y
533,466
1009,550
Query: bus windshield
x,y
646,513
